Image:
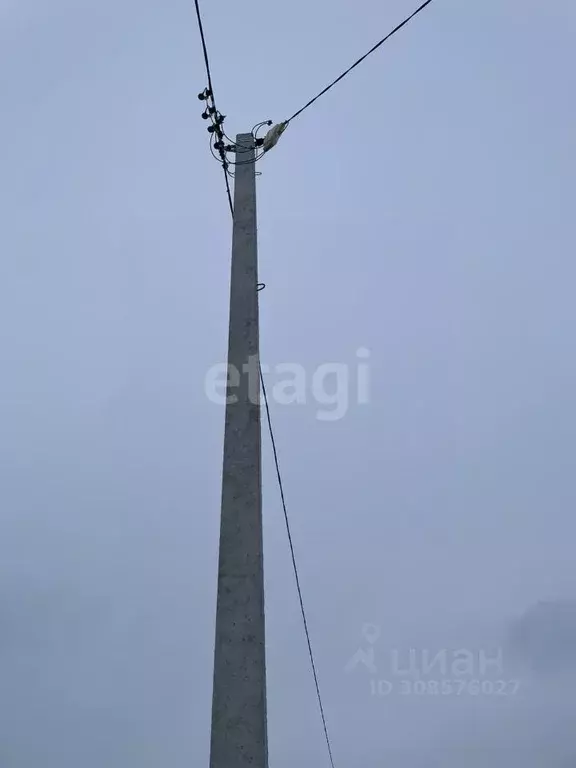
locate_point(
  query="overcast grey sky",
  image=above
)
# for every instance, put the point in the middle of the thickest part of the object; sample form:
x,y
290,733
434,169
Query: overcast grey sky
x,y
422,210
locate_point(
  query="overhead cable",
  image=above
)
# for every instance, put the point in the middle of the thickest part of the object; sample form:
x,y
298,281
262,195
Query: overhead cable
x,y
211,111
360,60
295,568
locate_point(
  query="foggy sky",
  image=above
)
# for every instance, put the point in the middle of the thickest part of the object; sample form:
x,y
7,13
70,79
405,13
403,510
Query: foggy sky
x,y
420,210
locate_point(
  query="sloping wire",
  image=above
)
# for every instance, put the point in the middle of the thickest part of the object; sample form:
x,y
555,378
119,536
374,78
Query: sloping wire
x,y
360,60
211,88
295,568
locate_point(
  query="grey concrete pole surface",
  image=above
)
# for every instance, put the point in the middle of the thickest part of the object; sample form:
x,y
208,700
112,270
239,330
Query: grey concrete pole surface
x,y
239,731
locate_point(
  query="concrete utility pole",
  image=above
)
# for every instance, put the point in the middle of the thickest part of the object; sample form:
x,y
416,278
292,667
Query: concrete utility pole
x,y
239,731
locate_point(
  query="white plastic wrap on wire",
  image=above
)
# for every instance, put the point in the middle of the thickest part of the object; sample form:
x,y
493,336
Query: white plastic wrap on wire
x,y
271,138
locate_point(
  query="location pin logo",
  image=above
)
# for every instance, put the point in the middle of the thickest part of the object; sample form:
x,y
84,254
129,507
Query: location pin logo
x,y
370,633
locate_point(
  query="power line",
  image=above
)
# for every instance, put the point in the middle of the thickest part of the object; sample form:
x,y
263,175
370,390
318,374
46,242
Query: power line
x,y
211,91
227,180
204,48
295,567
361,59
289,532
292,553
